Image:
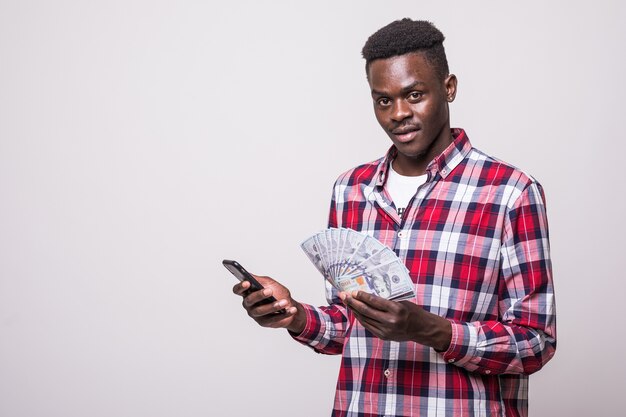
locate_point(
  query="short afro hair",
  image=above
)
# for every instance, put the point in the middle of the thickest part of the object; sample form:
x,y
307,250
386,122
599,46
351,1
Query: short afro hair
x,y
404,36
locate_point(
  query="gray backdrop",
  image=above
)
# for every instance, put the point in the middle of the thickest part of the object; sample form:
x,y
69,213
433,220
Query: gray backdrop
x,y
141,142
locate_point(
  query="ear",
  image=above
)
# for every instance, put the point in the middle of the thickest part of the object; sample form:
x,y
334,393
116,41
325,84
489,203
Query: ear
x,y
450,85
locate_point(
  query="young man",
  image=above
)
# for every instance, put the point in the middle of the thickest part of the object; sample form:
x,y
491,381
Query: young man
x,y
471,230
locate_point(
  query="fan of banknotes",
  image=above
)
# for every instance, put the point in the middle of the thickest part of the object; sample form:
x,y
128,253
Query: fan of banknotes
x,y
351,261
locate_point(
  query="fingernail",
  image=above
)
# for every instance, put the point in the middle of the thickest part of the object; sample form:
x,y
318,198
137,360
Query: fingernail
x,y
267,291
281,303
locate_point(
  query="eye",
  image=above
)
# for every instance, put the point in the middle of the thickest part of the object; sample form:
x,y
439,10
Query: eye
x,y
383,102
415,96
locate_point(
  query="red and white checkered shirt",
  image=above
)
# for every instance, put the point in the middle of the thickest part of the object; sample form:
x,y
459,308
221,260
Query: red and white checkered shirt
x,y
475,240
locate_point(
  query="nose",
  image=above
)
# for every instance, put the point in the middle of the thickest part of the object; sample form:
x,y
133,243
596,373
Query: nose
x,y
401,110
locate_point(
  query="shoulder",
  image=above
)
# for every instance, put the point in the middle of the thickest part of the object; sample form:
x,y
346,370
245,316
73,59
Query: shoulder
x,y
497,171
493,173
362,174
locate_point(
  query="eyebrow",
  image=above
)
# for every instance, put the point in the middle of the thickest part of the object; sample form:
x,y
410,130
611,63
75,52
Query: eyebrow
x,y
404,89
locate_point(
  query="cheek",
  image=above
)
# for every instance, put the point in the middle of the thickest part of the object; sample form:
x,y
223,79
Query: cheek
x,y
433,112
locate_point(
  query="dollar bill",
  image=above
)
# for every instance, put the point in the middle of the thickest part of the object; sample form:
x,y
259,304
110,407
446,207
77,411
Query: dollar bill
x,y
351,261
391,281
312,251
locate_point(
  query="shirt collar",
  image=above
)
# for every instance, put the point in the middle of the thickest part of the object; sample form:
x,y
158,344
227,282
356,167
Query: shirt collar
x,y
443,164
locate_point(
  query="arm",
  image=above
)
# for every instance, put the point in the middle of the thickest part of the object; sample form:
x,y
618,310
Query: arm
x,y
322,328
326,327
524,337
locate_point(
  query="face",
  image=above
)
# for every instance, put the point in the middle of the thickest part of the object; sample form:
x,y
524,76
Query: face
x,y
411,105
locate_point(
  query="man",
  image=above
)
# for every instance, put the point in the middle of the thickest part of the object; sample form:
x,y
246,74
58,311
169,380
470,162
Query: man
x,y
471,230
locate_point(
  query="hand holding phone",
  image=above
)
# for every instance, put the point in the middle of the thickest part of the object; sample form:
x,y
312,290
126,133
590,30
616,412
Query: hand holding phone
x,y
242,275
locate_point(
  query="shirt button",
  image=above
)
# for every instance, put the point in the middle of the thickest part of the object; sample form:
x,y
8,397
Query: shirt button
x,y
401,233
387,373
450,360
444,171
487,371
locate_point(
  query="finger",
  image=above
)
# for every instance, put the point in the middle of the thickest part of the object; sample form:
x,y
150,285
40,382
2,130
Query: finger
x,y
267,309
278,320
374,301
241,287
256,297
370,324
364,309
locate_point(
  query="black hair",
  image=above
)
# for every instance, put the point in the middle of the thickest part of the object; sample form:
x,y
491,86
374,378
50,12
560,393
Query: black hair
x,y
404,36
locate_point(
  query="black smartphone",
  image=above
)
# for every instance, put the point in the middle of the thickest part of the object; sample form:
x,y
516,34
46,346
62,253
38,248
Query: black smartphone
x,y
241,274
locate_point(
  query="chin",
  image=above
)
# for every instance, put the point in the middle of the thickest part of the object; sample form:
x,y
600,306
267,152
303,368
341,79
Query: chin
x,y
411,151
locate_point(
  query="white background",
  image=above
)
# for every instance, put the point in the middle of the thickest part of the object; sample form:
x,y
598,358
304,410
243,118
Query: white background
x,y
141,142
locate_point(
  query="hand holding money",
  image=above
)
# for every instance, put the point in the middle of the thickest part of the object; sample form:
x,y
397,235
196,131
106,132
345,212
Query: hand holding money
x,y
399,321
353,261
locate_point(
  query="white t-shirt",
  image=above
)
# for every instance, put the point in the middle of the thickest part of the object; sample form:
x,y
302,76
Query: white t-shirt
x,y
401,189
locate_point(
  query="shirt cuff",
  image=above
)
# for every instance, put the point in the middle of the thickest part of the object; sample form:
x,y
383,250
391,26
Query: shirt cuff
x,y
313,329
462,347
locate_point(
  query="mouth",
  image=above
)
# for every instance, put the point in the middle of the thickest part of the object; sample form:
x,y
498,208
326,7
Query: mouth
x,y
405,134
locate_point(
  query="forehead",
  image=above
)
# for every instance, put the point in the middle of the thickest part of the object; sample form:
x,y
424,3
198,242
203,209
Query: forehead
x,y
401,71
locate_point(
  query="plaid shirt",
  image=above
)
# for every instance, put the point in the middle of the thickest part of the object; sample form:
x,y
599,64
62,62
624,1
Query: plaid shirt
x,y
475,240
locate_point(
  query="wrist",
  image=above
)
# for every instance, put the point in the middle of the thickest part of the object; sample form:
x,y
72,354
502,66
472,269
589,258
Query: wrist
x,y
433,331
298,323
443,336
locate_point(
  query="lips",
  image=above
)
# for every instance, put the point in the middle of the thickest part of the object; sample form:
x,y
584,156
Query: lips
x,y
405,133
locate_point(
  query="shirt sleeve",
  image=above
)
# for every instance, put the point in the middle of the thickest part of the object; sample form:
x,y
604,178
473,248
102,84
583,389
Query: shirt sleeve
x,y
524,337
326,327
